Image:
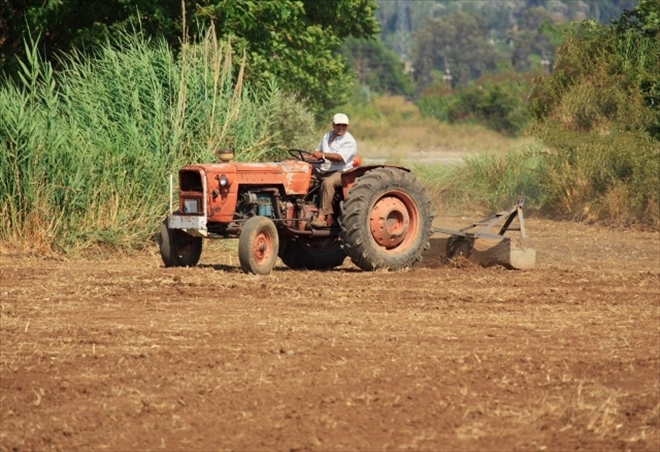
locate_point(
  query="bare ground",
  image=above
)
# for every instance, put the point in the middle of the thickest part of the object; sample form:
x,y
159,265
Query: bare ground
x,y
123,354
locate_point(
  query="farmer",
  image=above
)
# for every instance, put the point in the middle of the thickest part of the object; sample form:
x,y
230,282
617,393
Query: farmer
x,y
337,150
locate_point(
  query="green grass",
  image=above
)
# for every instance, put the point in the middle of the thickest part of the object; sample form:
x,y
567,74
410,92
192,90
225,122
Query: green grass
x,y
88,151
488,182
611,179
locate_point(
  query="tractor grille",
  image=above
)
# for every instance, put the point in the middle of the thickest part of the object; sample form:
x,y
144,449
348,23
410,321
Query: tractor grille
x,y
191,181
191,194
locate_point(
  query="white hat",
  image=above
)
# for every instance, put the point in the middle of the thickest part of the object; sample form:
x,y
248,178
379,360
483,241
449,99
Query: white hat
x,y
340,118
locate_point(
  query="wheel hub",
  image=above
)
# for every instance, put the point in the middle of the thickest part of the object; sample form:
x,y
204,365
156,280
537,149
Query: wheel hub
x,y
389,222
262,247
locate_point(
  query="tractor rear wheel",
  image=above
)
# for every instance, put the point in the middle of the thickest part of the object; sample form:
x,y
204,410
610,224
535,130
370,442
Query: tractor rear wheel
x,y
386,220
312,253
257,246
178,248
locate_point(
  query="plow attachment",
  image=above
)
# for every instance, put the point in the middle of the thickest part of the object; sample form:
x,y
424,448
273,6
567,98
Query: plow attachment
x,y
480,244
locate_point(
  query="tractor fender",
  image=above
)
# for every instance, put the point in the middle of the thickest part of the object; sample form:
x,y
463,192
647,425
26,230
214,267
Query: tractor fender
x,y
348,177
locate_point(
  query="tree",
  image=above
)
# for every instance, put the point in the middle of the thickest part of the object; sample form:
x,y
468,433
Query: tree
x,y
456,42
64,24
599,114
381,69
508,25
643,20
293,41
528,41
618,63
498,101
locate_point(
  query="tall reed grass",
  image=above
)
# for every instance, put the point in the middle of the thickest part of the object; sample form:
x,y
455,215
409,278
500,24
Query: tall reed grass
x,y
613,183
87,151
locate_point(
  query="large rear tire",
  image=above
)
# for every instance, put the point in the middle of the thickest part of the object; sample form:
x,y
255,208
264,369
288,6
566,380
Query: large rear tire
x,y
177,248
258,245
386,220
312,253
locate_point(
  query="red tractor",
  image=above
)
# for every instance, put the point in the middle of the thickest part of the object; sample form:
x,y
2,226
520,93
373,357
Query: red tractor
x,y
382,216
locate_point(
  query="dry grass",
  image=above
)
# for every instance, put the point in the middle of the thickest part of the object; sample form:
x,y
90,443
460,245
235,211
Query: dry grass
x,y
393,129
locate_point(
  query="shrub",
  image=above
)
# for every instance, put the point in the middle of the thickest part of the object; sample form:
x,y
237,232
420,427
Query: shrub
x,y
491,181
498,102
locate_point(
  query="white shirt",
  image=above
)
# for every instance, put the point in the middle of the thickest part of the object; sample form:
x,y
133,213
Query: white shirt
x,y
344,145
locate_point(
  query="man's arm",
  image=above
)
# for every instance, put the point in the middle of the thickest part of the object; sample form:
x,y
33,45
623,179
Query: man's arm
x,y
317,155
328,156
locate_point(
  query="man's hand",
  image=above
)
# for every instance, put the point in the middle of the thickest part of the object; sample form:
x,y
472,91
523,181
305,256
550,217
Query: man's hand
x,y
331,157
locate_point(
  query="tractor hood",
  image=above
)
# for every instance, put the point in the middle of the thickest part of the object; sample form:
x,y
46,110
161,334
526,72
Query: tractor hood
x,y
292,176
212,189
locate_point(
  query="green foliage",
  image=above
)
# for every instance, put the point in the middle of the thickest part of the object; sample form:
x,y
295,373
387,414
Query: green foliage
x,y
291,41
456,42
497,101
614,180
292,125
599,112
604,78
376,67
471,38
644,19
638,31
528,40
87,151
438,101
598,117
294,41
66,24
491,181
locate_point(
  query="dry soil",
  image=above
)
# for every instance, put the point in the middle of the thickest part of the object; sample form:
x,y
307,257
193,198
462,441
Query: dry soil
x,y
120,353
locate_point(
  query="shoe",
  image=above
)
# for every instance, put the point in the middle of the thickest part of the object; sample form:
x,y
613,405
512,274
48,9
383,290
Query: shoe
x,y
319,222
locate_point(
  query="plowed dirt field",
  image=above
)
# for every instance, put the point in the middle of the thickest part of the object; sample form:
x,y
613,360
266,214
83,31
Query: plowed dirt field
x,y
121,353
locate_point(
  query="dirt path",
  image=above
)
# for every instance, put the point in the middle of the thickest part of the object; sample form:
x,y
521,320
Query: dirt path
x,y
123,354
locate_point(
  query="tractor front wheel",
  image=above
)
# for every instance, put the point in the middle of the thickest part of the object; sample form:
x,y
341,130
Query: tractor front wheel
x,y
386,220
258,245
177,248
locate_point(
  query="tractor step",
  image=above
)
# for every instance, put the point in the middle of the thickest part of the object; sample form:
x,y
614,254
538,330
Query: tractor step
x,y
480,245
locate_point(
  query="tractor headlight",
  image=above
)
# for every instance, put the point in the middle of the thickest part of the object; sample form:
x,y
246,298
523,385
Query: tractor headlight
x,y
224,181
190,206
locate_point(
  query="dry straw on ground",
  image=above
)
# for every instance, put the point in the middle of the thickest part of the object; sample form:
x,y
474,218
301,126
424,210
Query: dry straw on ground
x,y
123,354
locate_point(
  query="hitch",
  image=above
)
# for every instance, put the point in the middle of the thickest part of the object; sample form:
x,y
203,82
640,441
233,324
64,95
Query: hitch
x,y
480,245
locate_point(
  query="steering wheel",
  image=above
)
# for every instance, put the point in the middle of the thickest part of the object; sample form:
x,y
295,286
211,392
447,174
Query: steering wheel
x,y
299,154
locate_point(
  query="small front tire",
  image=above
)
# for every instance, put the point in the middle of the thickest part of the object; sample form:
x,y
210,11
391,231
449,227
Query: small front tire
x,y
258,245
177,248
